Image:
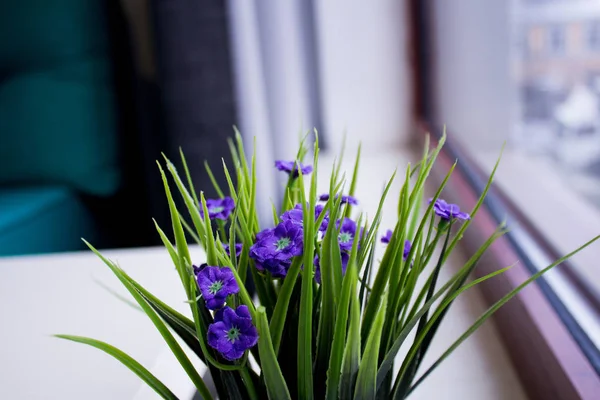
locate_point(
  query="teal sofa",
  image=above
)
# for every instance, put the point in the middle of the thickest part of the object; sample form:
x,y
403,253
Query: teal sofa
x,y
58,129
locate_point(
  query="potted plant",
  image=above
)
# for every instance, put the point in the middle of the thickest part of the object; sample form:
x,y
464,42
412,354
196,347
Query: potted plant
x,y
327,319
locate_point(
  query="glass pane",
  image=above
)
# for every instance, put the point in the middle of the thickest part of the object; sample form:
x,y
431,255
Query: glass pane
x,y
527,72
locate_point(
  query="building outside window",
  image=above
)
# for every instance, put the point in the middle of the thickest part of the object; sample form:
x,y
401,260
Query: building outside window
x,y
556,40
593,36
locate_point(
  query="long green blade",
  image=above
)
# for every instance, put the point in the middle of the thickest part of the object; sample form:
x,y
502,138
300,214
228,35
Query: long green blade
x,y
129,362
339,337
180,242
366,382
160,326
388,361
283,301
354,181
276,387
493,309
305,334
351,360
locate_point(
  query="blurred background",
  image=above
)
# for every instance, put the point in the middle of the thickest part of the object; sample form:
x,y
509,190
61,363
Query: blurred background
x,y
93,92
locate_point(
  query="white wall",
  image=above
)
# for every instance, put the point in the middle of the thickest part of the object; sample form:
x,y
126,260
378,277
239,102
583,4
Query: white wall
x,y
365,71
473,95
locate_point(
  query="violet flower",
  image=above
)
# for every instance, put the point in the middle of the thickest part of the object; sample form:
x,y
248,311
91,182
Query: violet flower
x,y
233,332
347,233
345,258
274,249
277,269
387,237
216,284
197,269
238,249
218,208
448,211
295,215
407,245
291,167
345,199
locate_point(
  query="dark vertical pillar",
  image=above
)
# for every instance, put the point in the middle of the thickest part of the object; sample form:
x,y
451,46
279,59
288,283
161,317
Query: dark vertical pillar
x,y
195,81
421,57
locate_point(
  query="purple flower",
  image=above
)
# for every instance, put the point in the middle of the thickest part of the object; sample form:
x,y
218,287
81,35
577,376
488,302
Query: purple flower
x,y
232,333
407,247
289,166
347,233
448,211
216,284
218,208
387,237
198,269
238,249
278,269
345,199
345,258
274,248
295,215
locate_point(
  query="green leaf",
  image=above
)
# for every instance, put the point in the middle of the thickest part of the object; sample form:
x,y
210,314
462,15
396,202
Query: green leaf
x,y
276,386
283,301
382,274
366,382
275,214
366,274
493,309
169,246
339,337
305,360
211,250
180,242
252,217
233,151
129,362
160,326
232,191
416,348
399,268
388,360
353,182
331,274
375,226
117,295
189,177
425,170
212,180
188,200
189,230
351,360
241,153
180,324
410,366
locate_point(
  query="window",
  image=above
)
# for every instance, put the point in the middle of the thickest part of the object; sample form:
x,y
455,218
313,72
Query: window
x,y
593,36
556,40
546,106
